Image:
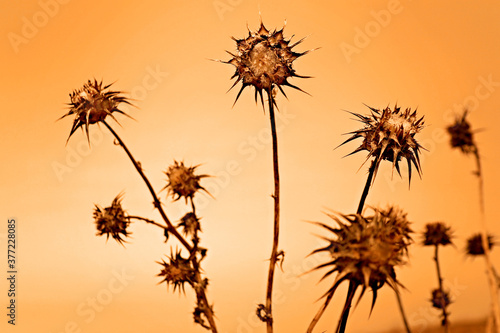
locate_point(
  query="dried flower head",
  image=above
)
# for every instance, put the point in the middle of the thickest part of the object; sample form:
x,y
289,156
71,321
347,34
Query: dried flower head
x,y
264,60
461,134
437,233
440,299
177,272
366,249
112,220
390,135
92,104
182,182
190,224
475,244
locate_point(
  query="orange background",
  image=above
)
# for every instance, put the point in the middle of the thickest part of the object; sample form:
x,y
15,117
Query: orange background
x,y
432,56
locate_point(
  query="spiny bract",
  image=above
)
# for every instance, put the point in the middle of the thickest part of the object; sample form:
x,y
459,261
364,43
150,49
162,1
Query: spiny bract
x,y
112,220
93,103
390,135
264,60
365,249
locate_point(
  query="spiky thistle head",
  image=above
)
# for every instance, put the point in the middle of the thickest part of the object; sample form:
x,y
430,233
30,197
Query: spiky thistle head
x,y
112,220
177,271
475,244
92,104
436,233
390,135
264,60
182,182
366,249
461,134
190,224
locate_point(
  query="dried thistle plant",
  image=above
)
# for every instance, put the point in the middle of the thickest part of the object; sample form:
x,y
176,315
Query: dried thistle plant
x,y
364,251
439,234
462,137
92,104
264,61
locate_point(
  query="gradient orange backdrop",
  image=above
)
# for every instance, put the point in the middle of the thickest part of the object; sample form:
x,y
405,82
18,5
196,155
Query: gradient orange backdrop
x,y
437,57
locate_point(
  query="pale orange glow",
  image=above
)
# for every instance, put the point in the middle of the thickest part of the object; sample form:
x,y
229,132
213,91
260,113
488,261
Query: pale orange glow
x,y
438,58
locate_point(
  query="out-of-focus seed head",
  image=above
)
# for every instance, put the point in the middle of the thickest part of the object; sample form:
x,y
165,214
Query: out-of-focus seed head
x,y
390,135
92,104
475,244
440,299
182,182
437,233
177,272
366,249
190,224
264,60
112,220
461,134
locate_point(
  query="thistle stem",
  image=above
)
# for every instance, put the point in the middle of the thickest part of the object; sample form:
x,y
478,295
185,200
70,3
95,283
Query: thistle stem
x,y
347,307
276,197
492,281
148,221
402,311
369,180
169,226
320,313
440,280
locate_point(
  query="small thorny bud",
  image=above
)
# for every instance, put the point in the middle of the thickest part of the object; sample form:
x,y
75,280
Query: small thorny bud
x,y
92,104
263,314
475,245
461,134
437,233
177,272
201,310
190,224
112,220
182,182
440,299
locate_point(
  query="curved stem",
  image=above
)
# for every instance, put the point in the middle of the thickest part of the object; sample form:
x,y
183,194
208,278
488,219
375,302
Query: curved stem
x,y
440,280
401,310
492,282
320,313
200,291
276,197
371,173
347,307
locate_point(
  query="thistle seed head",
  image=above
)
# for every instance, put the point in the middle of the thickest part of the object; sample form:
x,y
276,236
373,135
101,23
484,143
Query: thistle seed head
x,y
112,220
182,182
92,104
475,244
461,135
264,60
177,271
390,135
366,249
437,233
440,299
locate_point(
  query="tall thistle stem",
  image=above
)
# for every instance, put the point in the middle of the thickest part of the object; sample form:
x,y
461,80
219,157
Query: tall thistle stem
x,y
445,322
347,307
369,181
401,309
276,225
200,292
492,281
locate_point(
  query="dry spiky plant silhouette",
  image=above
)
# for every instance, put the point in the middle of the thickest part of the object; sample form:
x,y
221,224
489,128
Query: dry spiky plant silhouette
x,y
92,104
264,61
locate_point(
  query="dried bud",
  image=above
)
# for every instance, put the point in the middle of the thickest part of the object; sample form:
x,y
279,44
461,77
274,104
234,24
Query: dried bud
x,y
437,233
177,272
475,244
461,135
112,220
190,224
182,182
